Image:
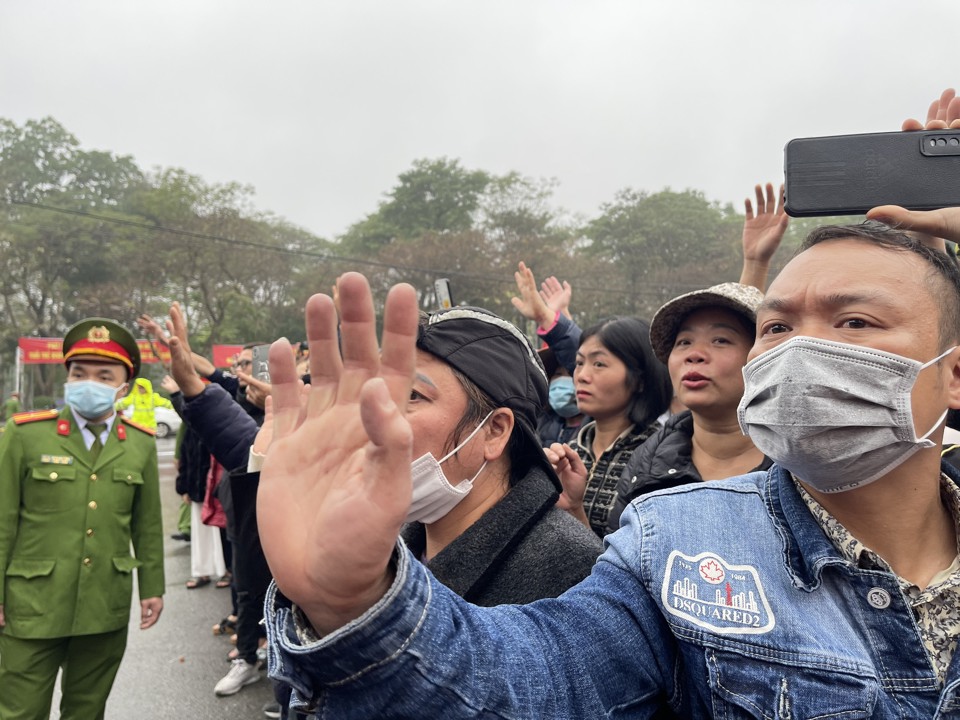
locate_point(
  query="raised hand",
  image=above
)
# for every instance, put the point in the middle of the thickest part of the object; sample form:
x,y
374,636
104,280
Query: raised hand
x,y
169,384
152,328
943,113
557,295
931,226
181,358
762,233
529,303
942,223
335,486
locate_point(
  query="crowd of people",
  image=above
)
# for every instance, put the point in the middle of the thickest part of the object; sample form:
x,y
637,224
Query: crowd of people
x,y
734,509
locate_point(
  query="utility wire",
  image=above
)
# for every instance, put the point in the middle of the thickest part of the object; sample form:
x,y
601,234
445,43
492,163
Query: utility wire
x,y
328,257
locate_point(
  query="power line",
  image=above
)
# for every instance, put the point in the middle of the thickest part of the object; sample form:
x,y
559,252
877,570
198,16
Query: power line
x,y
328,257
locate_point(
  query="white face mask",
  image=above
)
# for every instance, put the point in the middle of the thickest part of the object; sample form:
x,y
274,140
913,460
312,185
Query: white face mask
x,y
837,416
433,495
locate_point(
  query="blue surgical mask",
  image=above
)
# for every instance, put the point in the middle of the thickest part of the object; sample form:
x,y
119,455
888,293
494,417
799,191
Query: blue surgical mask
x,y
563,397
89,398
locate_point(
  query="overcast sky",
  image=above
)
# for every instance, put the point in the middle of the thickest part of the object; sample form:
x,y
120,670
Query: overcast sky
x,y
320,105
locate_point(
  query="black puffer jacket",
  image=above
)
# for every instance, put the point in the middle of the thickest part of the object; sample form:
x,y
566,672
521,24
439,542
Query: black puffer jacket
x,y
663,461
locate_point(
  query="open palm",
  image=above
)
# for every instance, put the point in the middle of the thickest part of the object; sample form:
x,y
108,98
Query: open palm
x,y
335,485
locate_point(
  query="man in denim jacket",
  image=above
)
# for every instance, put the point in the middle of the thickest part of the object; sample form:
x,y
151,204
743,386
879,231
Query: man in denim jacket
x,y
827,587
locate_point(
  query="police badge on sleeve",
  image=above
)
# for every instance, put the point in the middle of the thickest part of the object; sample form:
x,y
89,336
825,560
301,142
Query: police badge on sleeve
x,y
712,594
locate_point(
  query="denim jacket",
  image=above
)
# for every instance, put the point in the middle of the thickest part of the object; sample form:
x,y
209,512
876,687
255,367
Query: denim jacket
x,y
713,600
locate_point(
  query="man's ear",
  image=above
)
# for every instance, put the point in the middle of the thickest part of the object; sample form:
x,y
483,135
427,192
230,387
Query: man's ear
x,y
953,385
497,432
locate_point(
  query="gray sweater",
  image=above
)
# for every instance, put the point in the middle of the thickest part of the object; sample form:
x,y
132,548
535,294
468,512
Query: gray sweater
x,y
522,549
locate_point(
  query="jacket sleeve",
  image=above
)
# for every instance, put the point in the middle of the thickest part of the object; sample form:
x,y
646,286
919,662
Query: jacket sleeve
x,y
11,458
564,339
160,401
146,527
223,426
422,651
228,383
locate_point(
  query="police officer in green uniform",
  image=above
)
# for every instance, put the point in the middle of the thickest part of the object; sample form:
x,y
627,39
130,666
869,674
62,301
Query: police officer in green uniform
x,y
77,488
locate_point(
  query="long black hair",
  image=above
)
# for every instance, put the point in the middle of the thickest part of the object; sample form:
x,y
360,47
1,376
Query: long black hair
x,y
628,338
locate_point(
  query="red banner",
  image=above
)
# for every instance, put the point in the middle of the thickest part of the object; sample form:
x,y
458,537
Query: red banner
x,y
224,355
41,350
146,352
49,351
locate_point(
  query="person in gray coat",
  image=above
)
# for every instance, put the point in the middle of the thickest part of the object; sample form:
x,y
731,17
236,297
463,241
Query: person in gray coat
x,y
484,518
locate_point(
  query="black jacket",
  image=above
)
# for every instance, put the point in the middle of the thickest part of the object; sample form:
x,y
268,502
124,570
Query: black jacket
x,y
522,549
663,461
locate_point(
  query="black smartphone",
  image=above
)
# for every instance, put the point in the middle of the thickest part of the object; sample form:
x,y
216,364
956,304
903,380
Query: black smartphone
x,y
261,365
849,174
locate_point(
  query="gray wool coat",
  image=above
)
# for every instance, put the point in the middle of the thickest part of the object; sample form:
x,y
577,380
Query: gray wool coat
x,y
522,549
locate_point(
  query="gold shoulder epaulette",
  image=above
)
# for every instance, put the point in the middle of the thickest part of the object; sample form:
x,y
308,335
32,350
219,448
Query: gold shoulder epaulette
x,y
35,415
138,426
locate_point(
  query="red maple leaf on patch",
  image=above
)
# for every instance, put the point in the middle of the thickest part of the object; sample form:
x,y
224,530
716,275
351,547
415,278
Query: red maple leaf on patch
x,y
711,571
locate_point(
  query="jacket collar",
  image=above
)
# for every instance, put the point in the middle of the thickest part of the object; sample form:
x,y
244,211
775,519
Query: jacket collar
x,y
467,563
807,550
72,440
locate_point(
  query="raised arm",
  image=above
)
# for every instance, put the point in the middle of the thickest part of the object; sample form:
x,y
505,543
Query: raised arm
x,y
335,486
762,233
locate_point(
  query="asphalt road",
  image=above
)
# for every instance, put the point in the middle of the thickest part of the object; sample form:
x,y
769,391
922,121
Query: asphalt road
x,y
169,671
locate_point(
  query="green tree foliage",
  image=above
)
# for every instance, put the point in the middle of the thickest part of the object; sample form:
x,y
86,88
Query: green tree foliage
x,y
88,232
434,196
658,245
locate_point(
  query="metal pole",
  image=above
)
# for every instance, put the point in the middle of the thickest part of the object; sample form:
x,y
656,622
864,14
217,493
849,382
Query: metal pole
x,y
17,370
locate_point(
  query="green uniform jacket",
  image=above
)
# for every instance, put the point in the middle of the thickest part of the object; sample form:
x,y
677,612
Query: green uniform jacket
x,y
67,523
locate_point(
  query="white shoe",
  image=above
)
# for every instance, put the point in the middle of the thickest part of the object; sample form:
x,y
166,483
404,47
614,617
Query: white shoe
x,y
241,673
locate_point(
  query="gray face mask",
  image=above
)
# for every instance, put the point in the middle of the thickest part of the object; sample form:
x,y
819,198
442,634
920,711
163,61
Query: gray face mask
x,y
837,416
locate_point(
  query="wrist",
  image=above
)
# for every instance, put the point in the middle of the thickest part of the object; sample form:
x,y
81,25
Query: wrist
x,y
191,388
546,321
330,615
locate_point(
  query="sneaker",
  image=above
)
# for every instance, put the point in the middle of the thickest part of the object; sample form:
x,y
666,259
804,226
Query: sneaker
x,y
271,709
241,673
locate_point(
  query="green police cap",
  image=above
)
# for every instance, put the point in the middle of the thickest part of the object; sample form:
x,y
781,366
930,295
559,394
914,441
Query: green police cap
x,y
102,338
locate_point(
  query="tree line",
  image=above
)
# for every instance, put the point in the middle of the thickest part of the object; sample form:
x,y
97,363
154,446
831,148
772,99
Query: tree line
x,y
88,232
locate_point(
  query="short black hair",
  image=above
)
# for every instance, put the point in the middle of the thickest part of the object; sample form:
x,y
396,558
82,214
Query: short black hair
x,y
629,339
942,268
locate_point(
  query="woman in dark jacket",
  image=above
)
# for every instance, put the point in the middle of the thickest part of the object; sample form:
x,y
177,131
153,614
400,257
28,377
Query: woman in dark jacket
x,y
704,338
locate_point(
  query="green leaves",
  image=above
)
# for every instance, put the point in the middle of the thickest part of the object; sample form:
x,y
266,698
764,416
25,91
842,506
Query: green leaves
x,y
88,232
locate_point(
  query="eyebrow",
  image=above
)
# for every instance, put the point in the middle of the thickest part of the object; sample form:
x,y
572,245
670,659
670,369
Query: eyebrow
x,y
425,380
714,326
831,300
593,353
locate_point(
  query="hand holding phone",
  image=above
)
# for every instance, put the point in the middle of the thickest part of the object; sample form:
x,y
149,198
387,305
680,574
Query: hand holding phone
x,y
850,174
